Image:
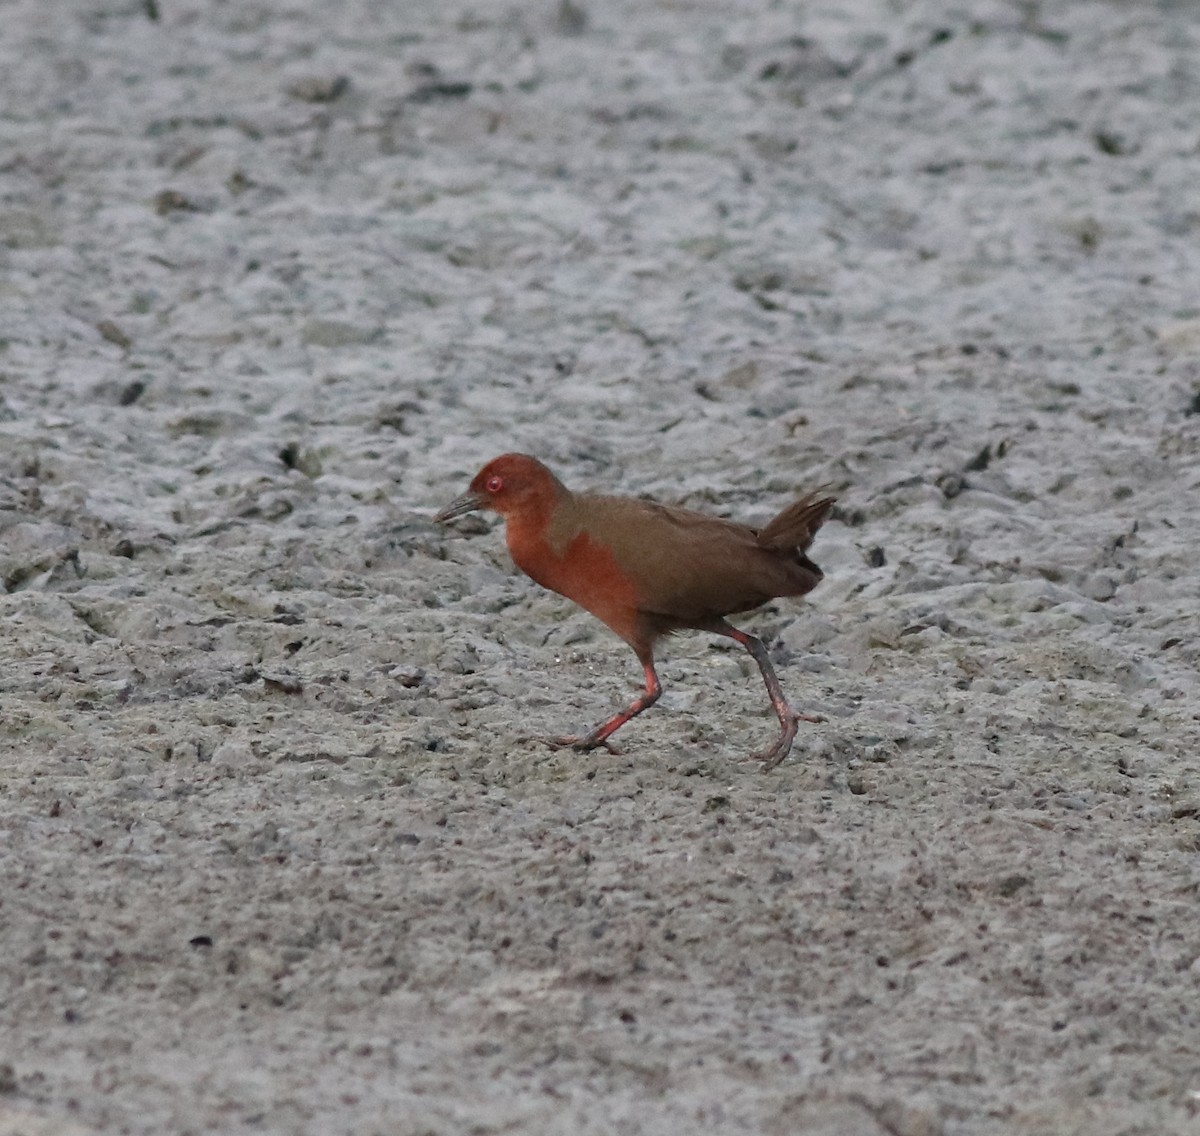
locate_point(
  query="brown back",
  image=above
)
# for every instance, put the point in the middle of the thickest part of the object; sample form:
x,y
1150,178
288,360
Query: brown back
x,y
687,567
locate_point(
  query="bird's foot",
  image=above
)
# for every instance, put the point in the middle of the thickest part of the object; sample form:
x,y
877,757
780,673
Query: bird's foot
x,y
581,743
771,756
774,754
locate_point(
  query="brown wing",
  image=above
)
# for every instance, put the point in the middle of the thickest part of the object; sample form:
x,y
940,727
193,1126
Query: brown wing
x,y
688,567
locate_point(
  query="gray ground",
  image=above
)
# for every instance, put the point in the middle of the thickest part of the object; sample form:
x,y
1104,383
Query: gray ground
x,y
280,849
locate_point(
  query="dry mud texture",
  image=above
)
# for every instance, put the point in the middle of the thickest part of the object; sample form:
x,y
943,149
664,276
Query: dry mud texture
x,y
281,850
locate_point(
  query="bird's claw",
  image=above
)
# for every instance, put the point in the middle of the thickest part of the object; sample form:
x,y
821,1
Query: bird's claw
x,y
774,755
770,757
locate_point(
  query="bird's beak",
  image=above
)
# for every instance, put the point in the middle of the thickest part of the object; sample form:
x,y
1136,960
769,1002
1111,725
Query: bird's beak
x,y
467,503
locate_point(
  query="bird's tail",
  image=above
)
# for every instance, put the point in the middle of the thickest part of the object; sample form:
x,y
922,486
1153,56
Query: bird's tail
x,y
796,526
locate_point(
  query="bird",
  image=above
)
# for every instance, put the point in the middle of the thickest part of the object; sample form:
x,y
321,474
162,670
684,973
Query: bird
x,y
648,570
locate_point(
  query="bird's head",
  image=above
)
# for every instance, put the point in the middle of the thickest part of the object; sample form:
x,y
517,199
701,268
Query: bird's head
x,y
511,485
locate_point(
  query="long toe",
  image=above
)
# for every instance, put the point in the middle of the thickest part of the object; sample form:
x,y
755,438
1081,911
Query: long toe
x,y
774,754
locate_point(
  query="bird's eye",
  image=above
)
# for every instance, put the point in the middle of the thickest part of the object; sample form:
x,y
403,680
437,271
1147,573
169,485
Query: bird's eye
x,y
495,484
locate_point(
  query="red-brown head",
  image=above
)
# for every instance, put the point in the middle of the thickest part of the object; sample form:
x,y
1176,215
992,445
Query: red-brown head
x,y
511,485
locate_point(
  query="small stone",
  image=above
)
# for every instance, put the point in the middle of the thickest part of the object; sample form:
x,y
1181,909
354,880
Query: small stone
x,y
1111,143
131,392
110,331
172,201
1010,885
857,784
437,89
407,676
951,485
280,683
319,89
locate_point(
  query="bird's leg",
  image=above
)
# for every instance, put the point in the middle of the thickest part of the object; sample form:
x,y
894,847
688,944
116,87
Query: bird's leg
x,y
599,736
774,754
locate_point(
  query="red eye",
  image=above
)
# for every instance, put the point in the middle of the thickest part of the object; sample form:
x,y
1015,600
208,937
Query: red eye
x,y
495,484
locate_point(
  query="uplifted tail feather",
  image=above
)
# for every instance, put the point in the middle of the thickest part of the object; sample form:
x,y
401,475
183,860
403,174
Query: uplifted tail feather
x,y
796,526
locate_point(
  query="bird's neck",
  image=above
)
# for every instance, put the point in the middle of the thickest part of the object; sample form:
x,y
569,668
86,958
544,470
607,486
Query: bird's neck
x,y
539,535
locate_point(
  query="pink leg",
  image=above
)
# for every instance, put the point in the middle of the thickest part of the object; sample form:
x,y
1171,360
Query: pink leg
x,y
599,736
774,754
